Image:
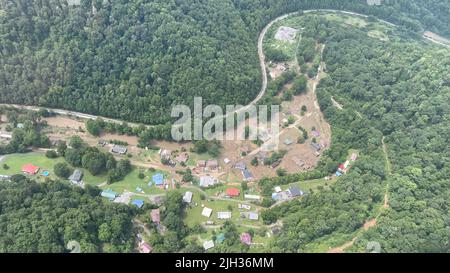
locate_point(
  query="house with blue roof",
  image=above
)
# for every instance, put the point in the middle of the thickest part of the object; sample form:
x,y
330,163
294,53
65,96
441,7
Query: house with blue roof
x,y
220,238
138,203
247,175
110,194
158,179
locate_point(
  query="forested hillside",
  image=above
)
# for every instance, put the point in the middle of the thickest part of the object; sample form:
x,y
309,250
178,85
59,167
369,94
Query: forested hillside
x,y
125,59
396,90
45,217
134,59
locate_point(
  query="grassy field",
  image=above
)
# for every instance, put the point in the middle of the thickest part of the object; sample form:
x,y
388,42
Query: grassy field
x,y
306,186
129,183
259,239
193,157
132,181
287,47
16,162
193,213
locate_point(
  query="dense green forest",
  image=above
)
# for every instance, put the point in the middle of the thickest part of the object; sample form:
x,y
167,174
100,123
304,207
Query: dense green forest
x,y
134,59
45,217
397,90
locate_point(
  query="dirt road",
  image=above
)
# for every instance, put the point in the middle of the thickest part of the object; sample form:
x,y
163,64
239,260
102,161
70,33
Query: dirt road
x,y
262,64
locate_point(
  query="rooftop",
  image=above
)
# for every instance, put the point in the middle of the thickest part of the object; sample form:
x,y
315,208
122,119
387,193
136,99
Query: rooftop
x,y
232,192
30,169
224,215
76,176
247,175
187,197
138,203
119,149
158,179
155,215
206,212
253,216
206,181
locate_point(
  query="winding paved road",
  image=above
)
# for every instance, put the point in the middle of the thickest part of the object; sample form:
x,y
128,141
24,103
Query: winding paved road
x,y
262,59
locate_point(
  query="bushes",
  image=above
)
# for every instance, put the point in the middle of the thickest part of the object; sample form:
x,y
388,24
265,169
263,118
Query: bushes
x,y
123,168
51,154
62,170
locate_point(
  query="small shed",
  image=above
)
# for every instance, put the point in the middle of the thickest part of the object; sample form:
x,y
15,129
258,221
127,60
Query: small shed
x,y
252,197
288,142
316,146
253,216
165,154
224,215
244,206
220,238
206,212
240,166
117,149
208,244
187,197
201,163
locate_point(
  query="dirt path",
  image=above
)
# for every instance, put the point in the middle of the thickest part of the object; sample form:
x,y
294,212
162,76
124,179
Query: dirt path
x,y
373,222
337,104
388,171
138,223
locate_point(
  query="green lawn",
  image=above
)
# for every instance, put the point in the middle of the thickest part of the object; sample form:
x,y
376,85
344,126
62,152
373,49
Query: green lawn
x,y
132,181
193,213
306,186
16,162
193,157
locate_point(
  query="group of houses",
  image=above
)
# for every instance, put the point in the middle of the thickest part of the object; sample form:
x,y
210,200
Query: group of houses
x,y
301,164
114,197
343,168
245,238
181,158
208,165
